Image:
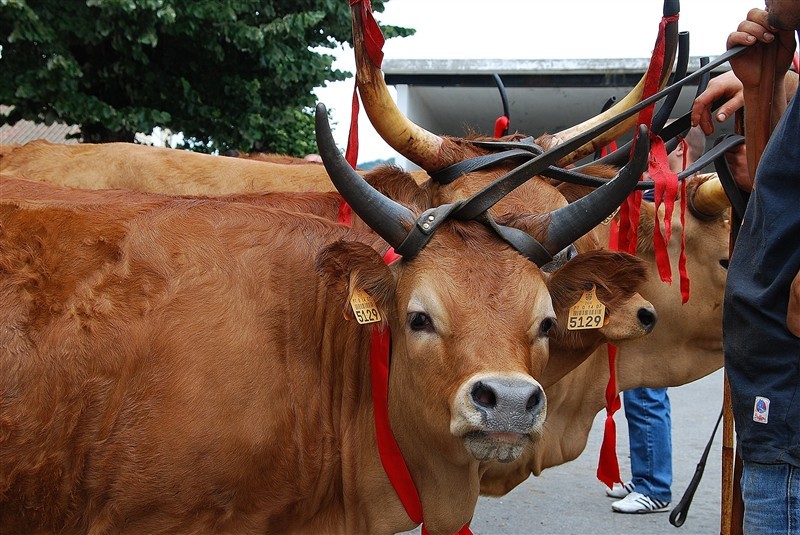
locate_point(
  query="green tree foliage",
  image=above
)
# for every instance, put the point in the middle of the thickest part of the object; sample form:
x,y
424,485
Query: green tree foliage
x,y
229,74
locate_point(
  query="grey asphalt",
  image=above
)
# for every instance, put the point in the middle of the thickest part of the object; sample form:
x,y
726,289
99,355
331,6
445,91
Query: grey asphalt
x,y
568,499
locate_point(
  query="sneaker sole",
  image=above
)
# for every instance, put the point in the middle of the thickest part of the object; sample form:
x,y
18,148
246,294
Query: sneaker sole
x,y
642,511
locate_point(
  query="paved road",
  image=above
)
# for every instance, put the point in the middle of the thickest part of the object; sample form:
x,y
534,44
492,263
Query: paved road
x,y
568,499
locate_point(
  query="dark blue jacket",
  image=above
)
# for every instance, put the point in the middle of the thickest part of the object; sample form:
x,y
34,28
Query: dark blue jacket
x,y
762,358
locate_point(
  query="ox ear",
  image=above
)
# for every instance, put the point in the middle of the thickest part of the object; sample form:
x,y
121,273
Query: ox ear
x,y
347,266
400,186
615,275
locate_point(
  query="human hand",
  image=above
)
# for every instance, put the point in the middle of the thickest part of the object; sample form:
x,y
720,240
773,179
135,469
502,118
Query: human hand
x,y
763,40
726,85
793,312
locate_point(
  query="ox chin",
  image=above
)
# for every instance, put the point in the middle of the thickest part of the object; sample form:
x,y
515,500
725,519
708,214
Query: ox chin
x,y
501,447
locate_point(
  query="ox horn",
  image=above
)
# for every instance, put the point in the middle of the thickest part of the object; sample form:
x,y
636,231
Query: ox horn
x,y
423,147
671,9
387,218
577,218
709,200
407,138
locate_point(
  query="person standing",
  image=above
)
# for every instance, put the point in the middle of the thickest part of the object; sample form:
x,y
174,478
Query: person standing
x,y
647,410
761,310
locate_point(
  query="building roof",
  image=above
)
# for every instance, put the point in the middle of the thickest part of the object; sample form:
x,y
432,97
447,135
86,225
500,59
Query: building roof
x,y
455,97
24,131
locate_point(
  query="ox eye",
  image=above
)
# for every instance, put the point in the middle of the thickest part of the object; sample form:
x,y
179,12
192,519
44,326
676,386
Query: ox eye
x,y
419,321
547,327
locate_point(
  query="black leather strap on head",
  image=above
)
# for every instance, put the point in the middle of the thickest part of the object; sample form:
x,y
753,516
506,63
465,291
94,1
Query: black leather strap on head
x,y
453,172
520,240
422,230
523,149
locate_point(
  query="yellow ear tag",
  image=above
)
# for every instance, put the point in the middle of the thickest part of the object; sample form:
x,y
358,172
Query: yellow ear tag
x,y
587,313
364,307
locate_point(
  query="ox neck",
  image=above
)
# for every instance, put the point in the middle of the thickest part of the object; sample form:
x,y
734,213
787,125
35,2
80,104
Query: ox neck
x,y
394,464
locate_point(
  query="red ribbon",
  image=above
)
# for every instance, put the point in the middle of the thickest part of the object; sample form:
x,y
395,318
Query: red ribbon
x,y
629,211
608,149
389,451
374,40
501,126
624,238
608,466
666,190
682,258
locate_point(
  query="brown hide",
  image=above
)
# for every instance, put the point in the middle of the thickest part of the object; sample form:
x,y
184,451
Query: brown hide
x,y
388,180
625,307
155,169
685,345
177,172
176,365
52,163
278,158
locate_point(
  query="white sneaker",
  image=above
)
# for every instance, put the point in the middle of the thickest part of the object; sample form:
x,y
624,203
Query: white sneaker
x,y
639,503
620,490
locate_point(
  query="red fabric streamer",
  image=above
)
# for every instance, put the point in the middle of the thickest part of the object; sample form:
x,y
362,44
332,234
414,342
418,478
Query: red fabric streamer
x,y
391,457
666,191
608,466
625,237
501,126
373,37
682,258
629,212
374,41
608,149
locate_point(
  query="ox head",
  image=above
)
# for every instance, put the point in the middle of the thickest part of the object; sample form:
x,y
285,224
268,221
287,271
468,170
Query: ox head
x,y
687,342
470,314
434,153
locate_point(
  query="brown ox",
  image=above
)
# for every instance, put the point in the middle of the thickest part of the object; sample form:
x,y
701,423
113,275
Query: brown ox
x,y
685,345
155,169
184,365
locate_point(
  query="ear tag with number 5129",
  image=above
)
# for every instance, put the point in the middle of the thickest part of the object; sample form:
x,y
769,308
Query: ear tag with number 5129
x,y
364,307
587,313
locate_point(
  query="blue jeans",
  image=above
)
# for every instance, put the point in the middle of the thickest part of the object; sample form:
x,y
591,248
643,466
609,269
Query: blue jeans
x,y
650,436
771,495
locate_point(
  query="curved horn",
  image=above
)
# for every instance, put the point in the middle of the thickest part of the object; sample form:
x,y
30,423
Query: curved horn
x,y
569,223
709,200
387,218
671,8
407,138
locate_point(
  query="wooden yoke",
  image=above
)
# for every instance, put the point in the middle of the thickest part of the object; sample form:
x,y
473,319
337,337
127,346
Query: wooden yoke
x,y
756,138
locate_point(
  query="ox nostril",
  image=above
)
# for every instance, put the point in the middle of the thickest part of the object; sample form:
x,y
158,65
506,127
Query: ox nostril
x,y
484,395
534,401
647,317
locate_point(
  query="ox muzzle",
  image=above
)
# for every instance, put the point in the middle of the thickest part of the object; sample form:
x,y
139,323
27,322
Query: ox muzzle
x,y
498,415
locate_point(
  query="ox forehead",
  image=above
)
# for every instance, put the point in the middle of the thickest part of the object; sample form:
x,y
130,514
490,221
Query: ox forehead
x,y
165,358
